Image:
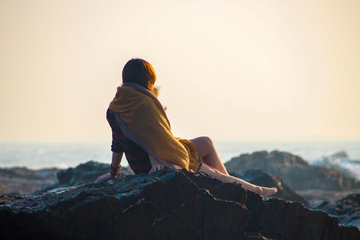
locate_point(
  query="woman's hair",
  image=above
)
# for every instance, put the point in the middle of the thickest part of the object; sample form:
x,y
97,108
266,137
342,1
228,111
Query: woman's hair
x,y
141,72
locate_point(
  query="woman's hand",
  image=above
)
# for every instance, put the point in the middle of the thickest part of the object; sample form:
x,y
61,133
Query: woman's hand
x,y
104,177
156,167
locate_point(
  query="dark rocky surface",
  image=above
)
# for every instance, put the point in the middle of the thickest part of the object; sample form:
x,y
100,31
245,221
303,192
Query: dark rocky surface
x,y
25,181
84,173
347,209
266,179
16,181
89,171
294,171
169,204
316,197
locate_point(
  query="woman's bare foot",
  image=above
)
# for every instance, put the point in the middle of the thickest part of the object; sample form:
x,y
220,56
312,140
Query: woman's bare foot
x,y
267,192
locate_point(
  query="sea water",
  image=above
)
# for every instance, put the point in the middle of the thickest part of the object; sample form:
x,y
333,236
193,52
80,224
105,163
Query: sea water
x,y
70,154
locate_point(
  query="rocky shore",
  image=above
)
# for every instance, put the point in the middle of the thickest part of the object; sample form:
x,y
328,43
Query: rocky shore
x,y
19,181
58,204
169,204
294,170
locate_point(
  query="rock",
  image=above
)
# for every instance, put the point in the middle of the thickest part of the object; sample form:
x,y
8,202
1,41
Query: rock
x,y
138,207
16,181
84,173
169,204
266,179
316,197
347,209
88,173
340,154
284,220
293,170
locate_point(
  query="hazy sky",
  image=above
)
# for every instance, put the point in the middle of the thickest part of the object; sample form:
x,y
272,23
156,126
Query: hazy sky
x,y
231,69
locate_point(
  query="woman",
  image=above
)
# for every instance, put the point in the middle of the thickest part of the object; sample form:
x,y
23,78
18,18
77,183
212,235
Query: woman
x,y
140,128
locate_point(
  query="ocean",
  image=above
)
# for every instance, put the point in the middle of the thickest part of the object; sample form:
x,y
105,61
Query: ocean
x,y
70,154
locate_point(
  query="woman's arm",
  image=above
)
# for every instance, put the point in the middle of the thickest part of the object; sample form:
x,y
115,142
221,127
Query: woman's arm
x,y
115,163
115,166
156,165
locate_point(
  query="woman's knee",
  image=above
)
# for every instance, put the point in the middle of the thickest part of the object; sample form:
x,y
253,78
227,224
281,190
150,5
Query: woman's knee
x,y
208,140
203,145
205,140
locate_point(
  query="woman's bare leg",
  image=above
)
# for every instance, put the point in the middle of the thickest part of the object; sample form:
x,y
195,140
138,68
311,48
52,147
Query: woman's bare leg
x,y
213,166
207,152
262,191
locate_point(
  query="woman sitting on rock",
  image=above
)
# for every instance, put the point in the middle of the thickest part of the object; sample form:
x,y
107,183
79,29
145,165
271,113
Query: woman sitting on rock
x,y
140,128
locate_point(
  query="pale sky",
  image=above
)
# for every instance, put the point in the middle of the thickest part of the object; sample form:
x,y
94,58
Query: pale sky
x,y
233,69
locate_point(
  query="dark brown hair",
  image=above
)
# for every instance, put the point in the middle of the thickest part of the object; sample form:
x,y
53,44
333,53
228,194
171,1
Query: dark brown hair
x,y
141,72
